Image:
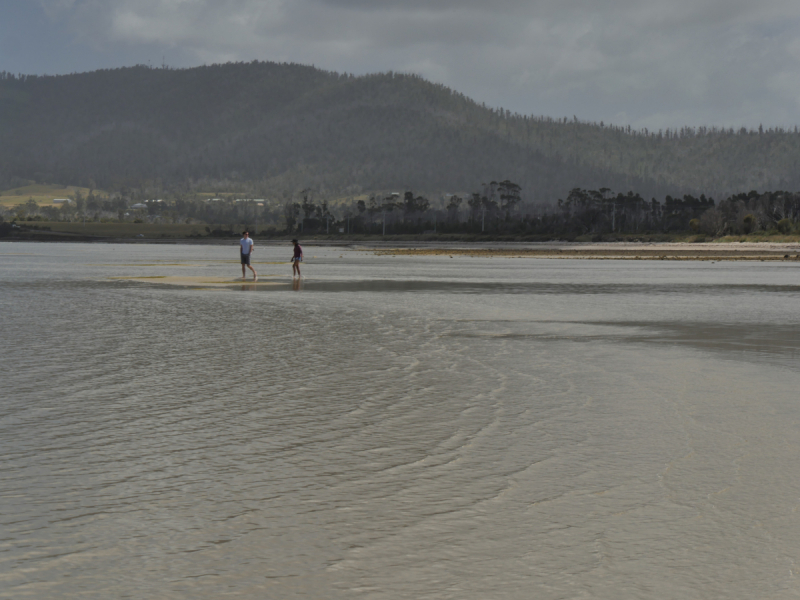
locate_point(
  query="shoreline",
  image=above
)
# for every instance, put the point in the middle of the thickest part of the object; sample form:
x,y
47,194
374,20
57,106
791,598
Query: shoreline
x,y
677,251
761,251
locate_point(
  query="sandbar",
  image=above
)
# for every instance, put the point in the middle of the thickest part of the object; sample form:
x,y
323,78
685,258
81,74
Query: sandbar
x,y
200,281
611,251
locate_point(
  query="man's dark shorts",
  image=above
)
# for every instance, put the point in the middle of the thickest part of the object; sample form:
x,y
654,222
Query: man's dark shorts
x,y
245,259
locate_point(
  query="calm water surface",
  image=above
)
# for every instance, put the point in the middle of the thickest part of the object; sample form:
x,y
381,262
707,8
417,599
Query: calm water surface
x,y
397,427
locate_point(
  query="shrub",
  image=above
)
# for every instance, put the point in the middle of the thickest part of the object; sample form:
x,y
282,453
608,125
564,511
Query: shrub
x,y
749,223
784,226
711,222
694,225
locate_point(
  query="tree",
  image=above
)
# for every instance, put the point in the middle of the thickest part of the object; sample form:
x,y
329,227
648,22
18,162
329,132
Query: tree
x,y
308,205
475,202
412,205
453,207
509,196
31,207
291,212
749,223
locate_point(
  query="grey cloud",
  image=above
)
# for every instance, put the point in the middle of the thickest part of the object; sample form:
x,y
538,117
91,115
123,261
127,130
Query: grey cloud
x,y
724,62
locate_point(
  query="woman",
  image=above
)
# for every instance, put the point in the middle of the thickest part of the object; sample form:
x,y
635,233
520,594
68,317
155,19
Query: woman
x,y
298,256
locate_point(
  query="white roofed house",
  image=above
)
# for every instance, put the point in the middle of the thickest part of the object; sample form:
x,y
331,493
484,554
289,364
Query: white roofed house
x,y
62,201
139,205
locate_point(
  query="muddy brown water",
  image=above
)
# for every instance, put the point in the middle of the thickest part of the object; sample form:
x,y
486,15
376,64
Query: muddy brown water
x,y
396,427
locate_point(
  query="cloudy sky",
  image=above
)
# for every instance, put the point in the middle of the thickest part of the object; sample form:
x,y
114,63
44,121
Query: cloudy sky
x,y
648,63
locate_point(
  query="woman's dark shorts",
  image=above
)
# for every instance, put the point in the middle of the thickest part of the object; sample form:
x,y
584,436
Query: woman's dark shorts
x,y
245,259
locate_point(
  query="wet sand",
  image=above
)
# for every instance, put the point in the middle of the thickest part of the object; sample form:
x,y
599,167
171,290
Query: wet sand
x,y
610,251
205,282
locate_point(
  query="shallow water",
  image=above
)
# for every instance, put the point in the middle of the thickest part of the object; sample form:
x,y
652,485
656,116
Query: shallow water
x,y
396,427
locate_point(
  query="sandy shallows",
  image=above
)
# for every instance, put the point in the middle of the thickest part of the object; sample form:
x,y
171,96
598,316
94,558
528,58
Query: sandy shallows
x,y
626,251
205,282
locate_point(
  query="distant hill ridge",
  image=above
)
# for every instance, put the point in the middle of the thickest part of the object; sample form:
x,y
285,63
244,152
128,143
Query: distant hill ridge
x,y
291,126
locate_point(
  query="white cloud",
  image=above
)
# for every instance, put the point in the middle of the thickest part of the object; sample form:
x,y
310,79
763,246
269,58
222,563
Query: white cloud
x,y
723,62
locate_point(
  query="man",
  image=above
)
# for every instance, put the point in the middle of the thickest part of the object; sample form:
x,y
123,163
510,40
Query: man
x,y
247,249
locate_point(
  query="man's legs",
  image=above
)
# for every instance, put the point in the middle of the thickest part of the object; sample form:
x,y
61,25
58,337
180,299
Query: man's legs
x,y
296,268
246,263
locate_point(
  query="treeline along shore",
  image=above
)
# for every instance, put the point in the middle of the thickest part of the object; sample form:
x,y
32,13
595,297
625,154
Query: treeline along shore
x,y
498,210
494,212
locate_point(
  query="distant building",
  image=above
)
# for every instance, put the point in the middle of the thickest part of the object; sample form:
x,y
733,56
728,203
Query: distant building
x,y
62,201
139,205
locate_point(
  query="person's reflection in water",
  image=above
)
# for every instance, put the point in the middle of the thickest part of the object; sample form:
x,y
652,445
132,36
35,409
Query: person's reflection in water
x,y
249,288
296,284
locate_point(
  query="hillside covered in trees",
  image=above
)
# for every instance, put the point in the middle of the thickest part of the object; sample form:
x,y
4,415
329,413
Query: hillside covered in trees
x,y
279,128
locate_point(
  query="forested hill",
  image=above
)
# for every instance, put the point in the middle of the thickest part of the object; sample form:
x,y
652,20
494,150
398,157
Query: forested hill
x,y
288,127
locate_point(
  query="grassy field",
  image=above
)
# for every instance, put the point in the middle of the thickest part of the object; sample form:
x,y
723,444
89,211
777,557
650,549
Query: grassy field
x,y
41,194
761,236
691,238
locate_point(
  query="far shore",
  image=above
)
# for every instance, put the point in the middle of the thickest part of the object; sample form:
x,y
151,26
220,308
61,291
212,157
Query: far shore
x,y
719,250
722,251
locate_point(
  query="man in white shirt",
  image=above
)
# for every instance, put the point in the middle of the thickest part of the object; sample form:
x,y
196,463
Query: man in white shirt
x,y
246,244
